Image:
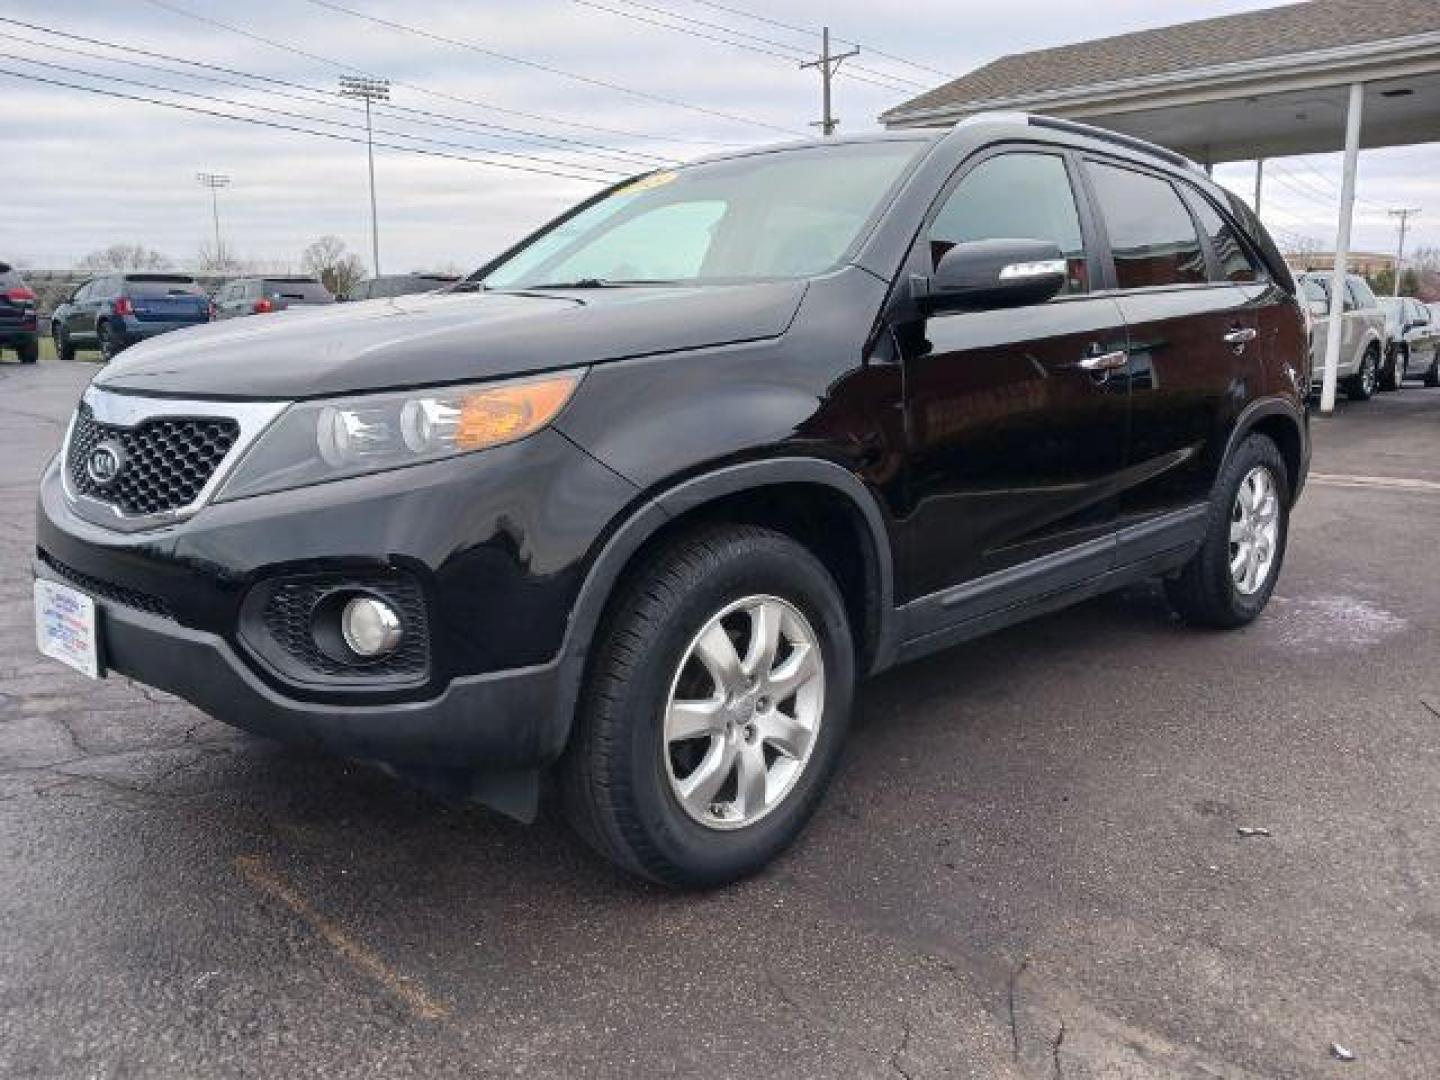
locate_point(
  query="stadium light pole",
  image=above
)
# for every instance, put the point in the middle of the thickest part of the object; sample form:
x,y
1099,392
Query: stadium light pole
x,y
369,90
214,181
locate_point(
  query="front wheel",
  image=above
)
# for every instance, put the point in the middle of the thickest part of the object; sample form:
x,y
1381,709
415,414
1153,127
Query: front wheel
x,y
109,341
64,350
1229,580
28,351
1394,377
714,715
1432,373
1361,386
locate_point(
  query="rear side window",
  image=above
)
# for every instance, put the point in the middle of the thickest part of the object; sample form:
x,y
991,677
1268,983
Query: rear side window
x,y
147,289
1152,235
1314,290
1360,293
1016,196
1235,261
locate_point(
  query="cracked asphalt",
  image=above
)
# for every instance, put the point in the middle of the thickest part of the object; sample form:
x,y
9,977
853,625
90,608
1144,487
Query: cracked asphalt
x,y
1029,866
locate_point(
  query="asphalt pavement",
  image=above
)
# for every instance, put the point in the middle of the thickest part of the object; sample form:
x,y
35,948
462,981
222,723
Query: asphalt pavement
x,y
1030,865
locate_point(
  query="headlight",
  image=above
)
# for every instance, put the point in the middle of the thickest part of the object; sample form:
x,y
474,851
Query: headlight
x,y
312,442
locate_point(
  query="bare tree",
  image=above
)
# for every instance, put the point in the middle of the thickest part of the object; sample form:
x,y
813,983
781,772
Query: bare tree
x,y
329,260
219,261
122,257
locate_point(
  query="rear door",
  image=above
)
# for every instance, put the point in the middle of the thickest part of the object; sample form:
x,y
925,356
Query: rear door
x,y
1192,331
1014,446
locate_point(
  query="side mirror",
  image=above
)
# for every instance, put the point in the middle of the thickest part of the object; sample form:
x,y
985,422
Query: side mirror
x,y
993,274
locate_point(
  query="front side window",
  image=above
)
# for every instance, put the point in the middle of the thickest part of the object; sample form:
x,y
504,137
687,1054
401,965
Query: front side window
x,y
1152,235
789,213
1015,196
1360,293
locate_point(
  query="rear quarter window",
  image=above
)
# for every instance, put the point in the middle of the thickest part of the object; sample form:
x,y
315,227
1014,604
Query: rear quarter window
x,y
1152,236
1230,251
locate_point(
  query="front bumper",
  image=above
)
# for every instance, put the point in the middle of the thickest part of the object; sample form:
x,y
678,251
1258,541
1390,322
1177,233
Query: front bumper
x,y
499,541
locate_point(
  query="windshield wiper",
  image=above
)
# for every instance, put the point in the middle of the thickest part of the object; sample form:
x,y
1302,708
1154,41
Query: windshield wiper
x,y
600,283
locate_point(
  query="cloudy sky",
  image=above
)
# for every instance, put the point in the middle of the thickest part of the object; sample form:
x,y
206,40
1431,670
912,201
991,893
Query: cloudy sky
x,y
80,171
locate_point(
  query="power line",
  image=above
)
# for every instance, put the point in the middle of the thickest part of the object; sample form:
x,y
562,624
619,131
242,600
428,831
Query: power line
x,y
260,122
323,98
290,114
537,65
426,91
855,71
808,32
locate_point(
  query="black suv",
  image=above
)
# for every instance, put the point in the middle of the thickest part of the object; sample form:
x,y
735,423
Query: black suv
x,y
637,503
18,329
114,311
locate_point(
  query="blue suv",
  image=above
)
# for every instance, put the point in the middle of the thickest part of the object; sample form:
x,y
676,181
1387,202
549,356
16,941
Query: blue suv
x,y
115,310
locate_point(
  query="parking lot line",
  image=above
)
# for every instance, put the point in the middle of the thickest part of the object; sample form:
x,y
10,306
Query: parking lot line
x,y
1395,483
257,872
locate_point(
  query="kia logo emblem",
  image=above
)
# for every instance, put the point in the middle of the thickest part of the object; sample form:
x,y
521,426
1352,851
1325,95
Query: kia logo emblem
x,y
105,462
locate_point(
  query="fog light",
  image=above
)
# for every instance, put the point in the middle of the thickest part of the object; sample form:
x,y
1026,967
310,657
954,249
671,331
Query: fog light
x,y
370,627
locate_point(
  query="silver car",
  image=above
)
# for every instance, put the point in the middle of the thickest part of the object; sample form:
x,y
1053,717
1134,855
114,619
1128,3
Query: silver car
x,y
1362,333
1412,342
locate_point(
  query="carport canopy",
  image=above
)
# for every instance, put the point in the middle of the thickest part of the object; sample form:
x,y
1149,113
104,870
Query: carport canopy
x,y
1304,78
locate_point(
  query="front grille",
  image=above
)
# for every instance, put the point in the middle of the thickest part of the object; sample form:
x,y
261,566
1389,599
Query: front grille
x,y
289,615
107,590
167,461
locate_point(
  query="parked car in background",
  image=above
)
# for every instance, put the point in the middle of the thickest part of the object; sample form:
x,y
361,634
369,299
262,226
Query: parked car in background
x,y
639,506
113,311
18,328
1362,334
259,296
398,285
1412,342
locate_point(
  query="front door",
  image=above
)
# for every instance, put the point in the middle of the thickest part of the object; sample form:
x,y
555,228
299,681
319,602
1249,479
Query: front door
x,y
1016,427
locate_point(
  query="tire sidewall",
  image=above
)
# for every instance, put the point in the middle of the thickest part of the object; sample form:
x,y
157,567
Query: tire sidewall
x,y
1255,450
713,855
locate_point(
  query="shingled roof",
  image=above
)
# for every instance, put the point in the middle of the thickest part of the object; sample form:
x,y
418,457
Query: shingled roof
x,y
1230,39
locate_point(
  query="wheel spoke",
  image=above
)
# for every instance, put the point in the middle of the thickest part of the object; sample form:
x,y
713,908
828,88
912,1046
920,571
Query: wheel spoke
x,y
1240,560
699,788
765,620
694,719
786,734
750,775
717,652
1237,532
798,669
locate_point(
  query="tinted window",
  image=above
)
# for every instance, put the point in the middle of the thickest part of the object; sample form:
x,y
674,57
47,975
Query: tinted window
x,y
297,290
1151,233
1015,197
1235,261
163,288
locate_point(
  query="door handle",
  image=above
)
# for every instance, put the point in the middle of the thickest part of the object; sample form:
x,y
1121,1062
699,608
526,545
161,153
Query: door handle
x,y
1104,362
1241,336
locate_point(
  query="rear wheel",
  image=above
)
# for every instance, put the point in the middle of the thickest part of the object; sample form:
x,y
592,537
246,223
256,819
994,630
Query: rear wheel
x,y
1432,373
1394,376
716,709
109,340
1229,580
63,347
28,351
1361,385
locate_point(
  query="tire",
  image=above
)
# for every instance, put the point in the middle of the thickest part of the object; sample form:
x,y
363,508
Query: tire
x,y
109,341
1432,374
29,351
622,776
1361,386
64,349
1393,377
1206,592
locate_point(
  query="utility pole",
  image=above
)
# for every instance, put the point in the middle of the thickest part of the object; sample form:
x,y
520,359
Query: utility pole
x,y
1404,214
827,65
214,181
370,90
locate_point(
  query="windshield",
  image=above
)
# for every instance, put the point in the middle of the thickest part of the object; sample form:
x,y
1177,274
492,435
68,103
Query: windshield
x,y
790,213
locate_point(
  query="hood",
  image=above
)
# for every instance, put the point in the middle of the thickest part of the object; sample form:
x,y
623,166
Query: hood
x,y
447,337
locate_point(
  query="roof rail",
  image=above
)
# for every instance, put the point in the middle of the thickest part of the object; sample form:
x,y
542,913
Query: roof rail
x,y
1105,134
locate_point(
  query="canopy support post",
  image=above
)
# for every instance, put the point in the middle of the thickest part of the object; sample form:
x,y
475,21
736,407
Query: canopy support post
x,y
1342,248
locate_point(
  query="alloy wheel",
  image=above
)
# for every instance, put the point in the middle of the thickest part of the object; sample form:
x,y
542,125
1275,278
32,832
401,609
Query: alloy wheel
x,y
1254,531
1367,374
743,713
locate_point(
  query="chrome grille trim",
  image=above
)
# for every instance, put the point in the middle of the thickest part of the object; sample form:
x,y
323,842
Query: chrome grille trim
x,y
131,410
